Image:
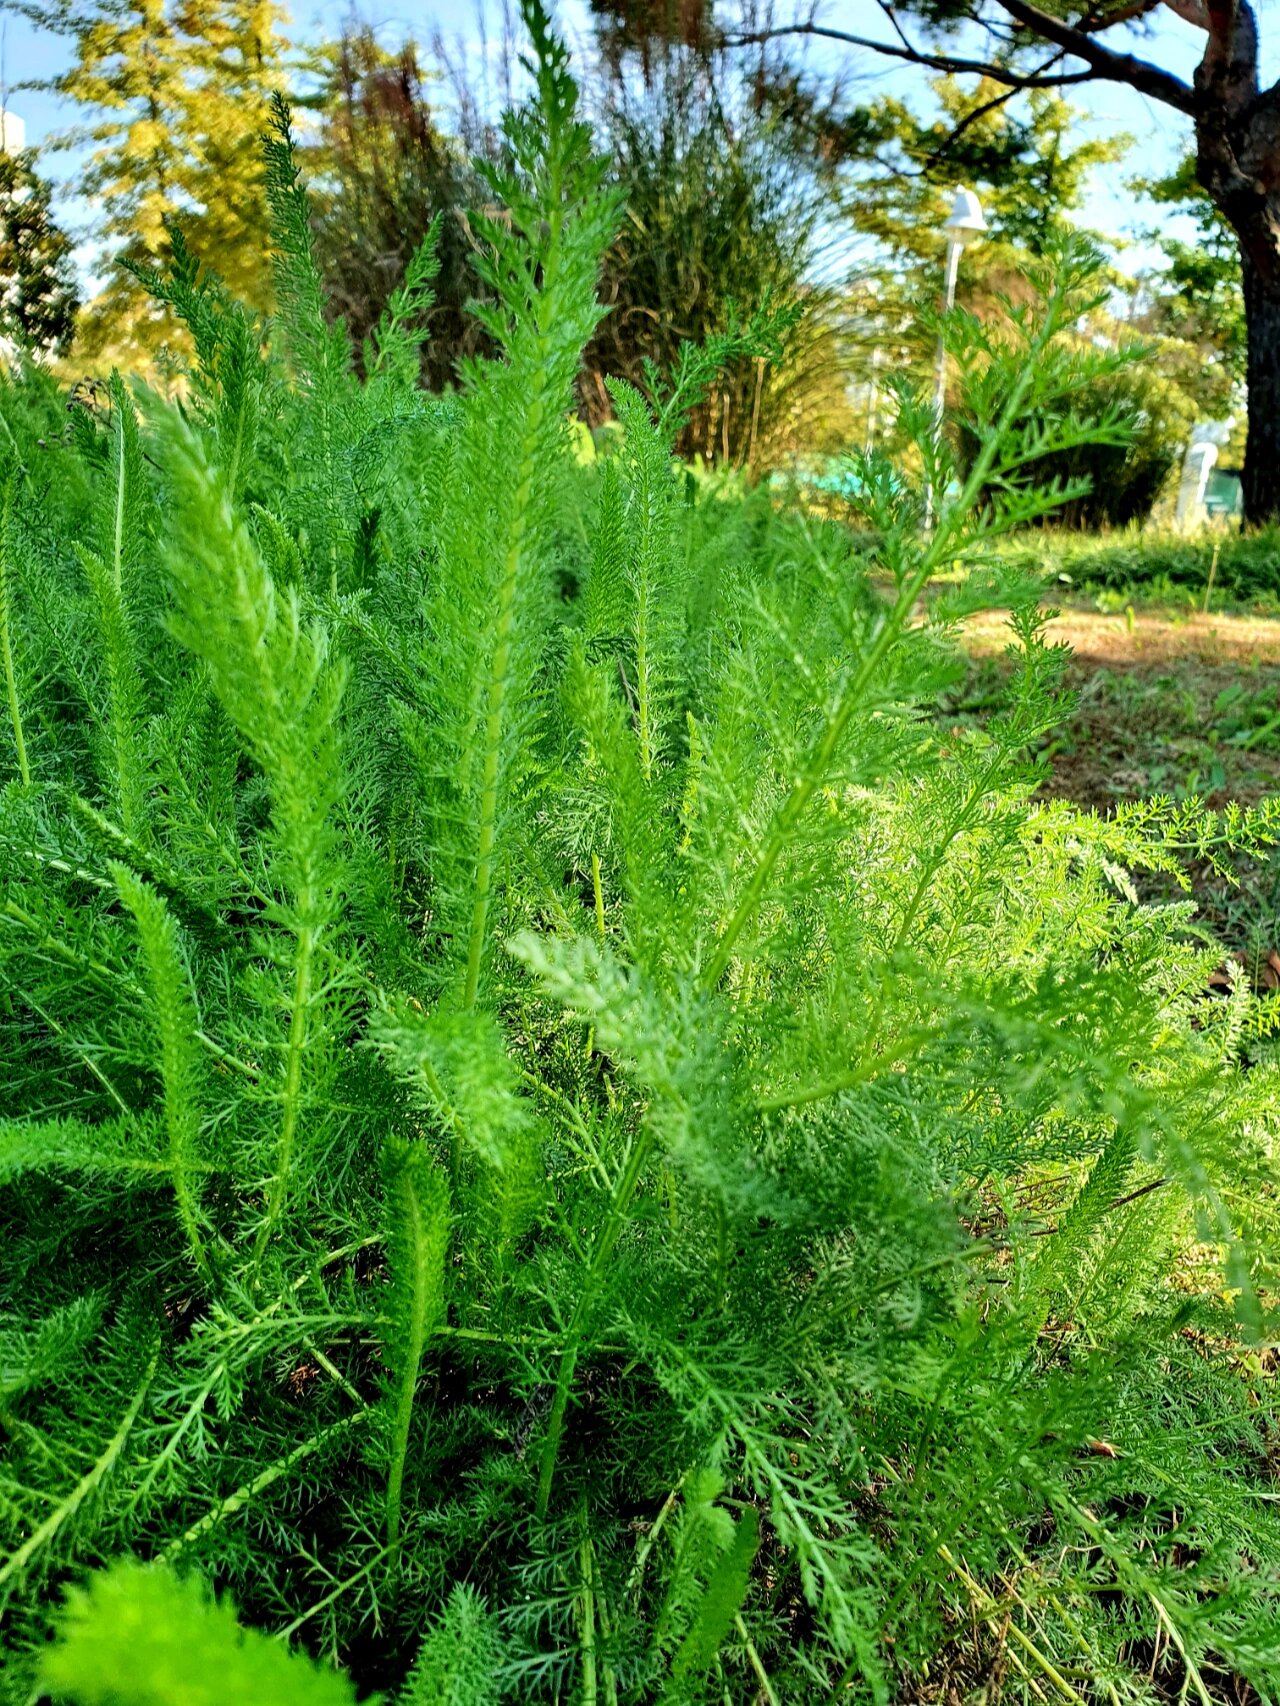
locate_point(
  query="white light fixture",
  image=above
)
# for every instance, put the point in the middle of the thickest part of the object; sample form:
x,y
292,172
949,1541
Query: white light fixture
x,y
966,223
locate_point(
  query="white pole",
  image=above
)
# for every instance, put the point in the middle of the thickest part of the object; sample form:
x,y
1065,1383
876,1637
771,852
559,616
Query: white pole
x,y
940,371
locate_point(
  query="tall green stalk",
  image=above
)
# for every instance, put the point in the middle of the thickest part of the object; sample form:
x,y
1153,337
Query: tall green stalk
x,y
295,1055
174,1014
105,570
6,640
529,457
615,1219
942,544
418,1241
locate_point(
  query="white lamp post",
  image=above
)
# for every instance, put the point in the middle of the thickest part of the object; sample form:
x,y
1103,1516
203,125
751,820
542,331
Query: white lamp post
x,y
965,225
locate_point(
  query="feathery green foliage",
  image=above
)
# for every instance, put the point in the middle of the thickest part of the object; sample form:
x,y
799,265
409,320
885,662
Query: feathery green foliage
x,y
564,1138
141,1636
460,1660
417,1245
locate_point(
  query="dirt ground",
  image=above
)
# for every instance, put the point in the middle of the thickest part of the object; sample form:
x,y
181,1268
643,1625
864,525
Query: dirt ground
x,y
1167,703
1145,639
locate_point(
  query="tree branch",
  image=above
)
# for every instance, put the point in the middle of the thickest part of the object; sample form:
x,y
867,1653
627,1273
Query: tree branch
x,y
1190,11
1005,74
897,28
1103,62
972,117
1006,95
1101,18
1139,74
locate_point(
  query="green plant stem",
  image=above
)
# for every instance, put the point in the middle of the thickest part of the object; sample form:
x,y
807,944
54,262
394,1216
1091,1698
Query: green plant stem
x,y
636,1576
332,1370
615,1220
8,433
122,681
192,1414
932,865
123,677
449,1117
867,1069
85,1055
415,1344
6,643
508,591
291,1630
185,1197
753,1658
495,723
644,730
237,446
1213,570
598,893
587,1624
272,1473
306,943
990,1607
11,691
117,530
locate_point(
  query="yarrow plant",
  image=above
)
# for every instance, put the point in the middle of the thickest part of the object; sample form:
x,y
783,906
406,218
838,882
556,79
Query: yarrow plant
x,y
563,1141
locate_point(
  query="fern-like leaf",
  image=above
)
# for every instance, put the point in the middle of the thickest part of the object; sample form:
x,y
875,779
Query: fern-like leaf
x,y
141,1635
417,1209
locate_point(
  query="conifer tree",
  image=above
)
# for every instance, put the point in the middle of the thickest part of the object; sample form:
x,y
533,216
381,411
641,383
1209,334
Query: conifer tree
x,y
38,293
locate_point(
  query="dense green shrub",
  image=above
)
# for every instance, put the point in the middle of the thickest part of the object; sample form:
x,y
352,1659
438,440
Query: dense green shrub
x,y
1248,564
559,1144
382,169
724,219
1121,477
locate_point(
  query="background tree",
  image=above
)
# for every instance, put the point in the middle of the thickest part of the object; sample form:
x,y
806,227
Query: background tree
x,y
725,201
729,169
891,172
1027,159
175,100
381,167
1025,155
1234,119
724,217
1197,297
902,174
38,291
238,58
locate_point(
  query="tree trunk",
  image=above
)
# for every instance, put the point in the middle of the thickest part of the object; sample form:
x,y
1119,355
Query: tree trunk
x,y
1237,155
1261,479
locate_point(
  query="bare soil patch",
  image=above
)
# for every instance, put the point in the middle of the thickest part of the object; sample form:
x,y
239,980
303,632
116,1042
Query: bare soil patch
x,y
1142,639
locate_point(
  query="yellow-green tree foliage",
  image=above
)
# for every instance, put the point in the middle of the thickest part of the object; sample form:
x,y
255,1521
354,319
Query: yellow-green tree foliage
x,y
1030,166
174,97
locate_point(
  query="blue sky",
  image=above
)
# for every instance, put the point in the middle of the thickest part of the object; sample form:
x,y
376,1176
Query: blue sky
x,y
1160,134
